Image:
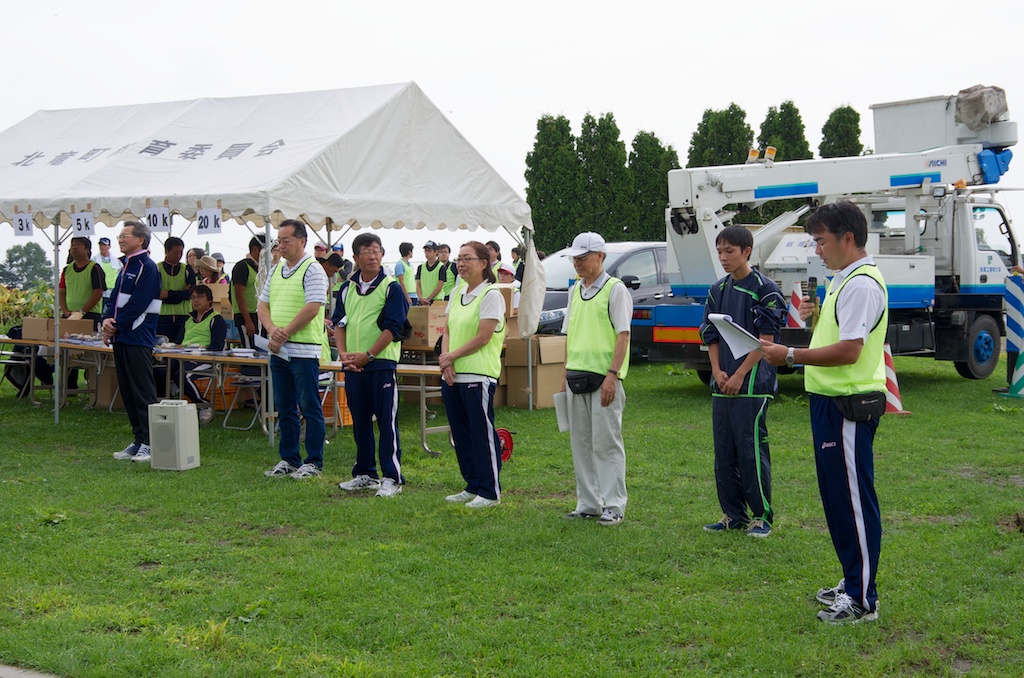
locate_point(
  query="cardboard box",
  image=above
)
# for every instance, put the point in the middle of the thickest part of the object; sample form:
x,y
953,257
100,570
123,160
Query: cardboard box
x,y
548,368
547,349
508,291
500,396
43,328
106,388
511,328
427,324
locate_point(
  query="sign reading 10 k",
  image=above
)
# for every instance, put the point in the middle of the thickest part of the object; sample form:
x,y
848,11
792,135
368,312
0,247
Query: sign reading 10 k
x,y
208,220
158,219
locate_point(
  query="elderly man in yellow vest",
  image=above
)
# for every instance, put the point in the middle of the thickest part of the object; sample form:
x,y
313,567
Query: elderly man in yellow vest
x,y
597,323
291,308
369,320
110,264
844,373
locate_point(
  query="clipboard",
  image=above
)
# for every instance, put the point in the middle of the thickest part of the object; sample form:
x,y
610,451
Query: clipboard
x,y
739,340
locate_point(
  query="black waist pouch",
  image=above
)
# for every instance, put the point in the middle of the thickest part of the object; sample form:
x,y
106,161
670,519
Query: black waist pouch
x,y
583,382
861,406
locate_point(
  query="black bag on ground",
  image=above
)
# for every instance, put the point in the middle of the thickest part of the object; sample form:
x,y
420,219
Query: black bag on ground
x,y
583,382
861,406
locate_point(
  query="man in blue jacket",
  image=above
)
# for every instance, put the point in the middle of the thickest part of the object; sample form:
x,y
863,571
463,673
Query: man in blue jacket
x,y
129,322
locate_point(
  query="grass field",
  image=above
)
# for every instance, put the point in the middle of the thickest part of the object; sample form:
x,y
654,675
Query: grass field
x,y
112,569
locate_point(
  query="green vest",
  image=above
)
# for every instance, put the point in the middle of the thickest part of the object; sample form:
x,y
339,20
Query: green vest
x,y
361,330
449,283
287,297
199,333
250,291
109,273
590,345
429,278
409,278
863,376
463,325
174,283
78,287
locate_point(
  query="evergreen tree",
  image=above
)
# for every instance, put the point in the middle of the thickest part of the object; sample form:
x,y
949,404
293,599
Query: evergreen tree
x,y
552,176
26,267
606,185
840,137
649,163
722,138
783,128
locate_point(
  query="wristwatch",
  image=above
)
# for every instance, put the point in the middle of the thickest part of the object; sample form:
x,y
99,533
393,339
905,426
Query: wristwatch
x,y
370,356
790,357
613,373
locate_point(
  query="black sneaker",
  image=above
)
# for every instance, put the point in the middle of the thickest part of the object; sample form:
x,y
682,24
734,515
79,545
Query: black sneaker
x,y
828,596
726,523
845,611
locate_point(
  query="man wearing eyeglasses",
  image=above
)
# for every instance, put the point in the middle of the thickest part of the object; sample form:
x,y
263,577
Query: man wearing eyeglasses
x,y
129,322
369,320
597,321
291,308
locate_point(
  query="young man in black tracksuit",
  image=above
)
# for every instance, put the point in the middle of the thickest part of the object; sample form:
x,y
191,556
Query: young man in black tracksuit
x,y
742,387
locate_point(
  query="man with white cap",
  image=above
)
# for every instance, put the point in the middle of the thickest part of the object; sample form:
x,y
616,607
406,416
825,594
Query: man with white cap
x,y
597,321
110,264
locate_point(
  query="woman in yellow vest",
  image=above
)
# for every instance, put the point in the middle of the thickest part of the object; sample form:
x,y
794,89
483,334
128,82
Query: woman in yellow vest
x,y
470,363
203,327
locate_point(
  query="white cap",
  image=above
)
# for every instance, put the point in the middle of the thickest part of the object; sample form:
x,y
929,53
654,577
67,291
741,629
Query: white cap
x,y
586,242
507,268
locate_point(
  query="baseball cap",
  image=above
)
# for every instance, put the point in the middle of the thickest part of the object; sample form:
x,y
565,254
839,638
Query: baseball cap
x,y
338,247
507,268
584,243
217,256
320,246
430,245
335,260
104,241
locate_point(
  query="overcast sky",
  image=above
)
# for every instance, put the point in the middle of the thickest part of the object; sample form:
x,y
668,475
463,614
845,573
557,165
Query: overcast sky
x,y
495,68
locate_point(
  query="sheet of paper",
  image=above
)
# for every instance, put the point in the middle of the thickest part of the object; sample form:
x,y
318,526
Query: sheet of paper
x,y
562,411
263,344
739,340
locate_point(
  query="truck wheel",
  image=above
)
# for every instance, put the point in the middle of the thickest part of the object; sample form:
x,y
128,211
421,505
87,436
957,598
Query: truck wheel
x,y
983,349
704,376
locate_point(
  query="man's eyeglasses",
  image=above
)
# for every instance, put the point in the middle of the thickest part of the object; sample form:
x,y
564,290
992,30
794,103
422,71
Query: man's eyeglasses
x,y
461,260
375,252
583,257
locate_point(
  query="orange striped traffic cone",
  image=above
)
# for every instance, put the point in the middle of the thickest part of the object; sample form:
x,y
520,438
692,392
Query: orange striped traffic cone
x,y
893,402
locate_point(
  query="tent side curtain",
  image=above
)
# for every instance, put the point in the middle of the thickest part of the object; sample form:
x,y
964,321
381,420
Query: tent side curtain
x,y
369,157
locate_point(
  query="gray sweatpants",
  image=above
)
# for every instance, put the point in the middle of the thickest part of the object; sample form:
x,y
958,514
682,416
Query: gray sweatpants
x,y
598,454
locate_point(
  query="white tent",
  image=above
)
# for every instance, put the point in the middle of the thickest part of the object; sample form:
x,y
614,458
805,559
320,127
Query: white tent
x,y
379,157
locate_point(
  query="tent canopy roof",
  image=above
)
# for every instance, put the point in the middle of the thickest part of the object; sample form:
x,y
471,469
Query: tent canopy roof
x,y
382,157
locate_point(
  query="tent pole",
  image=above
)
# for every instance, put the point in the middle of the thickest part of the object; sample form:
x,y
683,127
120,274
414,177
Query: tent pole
x,y
266,257
56,321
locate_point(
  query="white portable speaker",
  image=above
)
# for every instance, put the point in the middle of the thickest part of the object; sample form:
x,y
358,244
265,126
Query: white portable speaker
x,y
174,435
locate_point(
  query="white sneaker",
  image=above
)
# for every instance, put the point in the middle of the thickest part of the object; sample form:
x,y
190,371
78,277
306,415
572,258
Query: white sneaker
x,y
461,497
205,415
281,470
143,455
609,517
389,488
306,471
482,502
363,482
127,453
